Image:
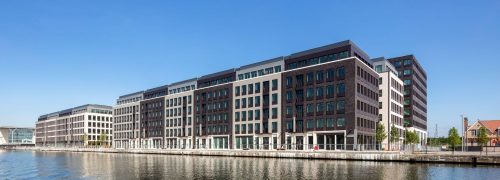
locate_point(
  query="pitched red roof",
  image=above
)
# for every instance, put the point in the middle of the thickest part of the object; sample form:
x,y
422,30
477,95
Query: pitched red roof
x,y
491,125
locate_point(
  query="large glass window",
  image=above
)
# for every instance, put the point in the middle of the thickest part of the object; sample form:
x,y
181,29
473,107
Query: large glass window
x,y
407,62
319,76
289,81
407,72
330,122
378,68
341,72
320,123
310,124
407,82
289,95
329,90
319,108
309,108
274,84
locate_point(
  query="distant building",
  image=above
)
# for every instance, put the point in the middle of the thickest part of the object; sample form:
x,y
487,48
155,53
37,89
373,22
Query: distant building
x,y
492,128
77,126
16,135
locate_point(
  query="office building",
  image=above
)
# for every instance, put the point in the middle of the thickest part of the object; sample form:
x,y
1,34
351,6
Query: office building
x,y
80,126
415,94
10,135
390,103
126,121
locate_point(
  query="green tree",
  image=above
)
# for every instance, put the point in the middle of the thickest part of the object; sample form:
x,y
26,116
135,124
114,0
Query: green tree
x,y
380,133
482,139
85,138
453,138
394,135
411,138
102,138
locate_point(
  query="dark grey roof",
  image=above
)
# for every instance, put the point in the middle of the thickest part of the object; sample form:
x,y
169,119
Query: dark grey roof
x,y
378,59
182,82
262,62
320,49
217,73
66,111
131,94
157,88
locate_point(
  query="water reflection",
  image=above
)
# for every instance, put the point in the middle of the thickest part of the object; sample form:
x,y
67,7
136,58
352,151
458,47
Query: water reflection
x,y
60,165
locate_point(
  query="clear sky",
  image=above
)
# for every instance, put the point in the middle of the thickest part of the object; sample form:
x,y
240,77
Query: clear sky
x,y
61,54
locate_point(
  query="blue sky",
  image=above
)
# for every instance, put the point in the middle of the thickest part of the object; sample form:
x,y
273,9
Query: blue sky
x,y
60,54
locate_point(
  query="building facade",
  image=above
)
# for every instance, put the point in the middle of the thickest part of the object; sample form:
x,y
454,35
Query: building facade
x,y
415,94
492,130
325,98
16,135
126,121
80,126
390,103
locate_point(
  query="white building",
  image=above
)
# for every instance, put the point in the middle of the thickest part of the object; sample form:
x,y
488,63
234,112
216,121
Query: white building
x,y
83,125
126,121
390,102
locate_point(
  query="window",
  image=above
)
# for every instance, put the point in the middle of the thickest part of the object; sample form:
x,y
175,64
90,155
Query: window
x,y
309,108
320,123
407,112
237,90
319,108
330,106
329,90
319,76
341,72
289,125
254,74
407,62
257,114
329,123
274,112
309,92
407,82
250,88
310,124
319,92
237,104
289,81
257,100
237,128
289,111
310,77
397,64
274,84
406,92
274,98
244,90
240,76
257,87
244,103
378,68
237,116
407,72
340,89
243,116
250,102
340,122
289,95
277,69
340,105
407,102
274,126
330,73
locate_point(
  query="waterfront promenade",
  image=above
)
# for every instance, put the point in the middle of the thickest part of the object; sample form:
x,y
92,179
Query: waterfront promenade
x,y
493,158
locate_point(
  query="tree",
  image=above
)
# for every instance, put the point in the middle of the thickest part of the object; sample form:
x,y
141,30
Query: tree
x,y
380,133
411,137
453,138
102,138
85,138
483,139
394,135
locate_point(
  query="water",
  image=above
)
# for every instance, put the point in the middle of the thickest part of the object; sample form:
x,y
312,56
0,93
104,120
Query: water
x,y
67,165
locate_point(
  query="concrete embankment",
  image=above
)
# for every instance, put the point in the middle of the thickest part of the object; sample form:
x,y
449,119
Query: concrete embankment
x,y
327,155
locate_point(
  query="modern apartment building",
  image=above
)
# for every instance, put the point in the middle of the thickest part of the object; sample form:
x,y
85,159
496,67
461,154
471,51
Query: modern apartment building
x,y
390,102
321,106
152,120
415,94
84,125
257,105
126,121
179,114
324,98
